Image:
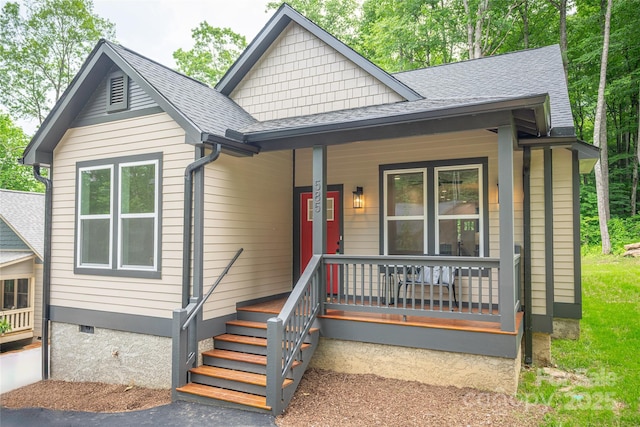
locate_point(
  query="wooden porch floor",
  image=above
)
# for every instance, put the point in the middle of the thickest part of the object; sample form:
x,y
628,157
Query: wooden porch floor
x,y
274,307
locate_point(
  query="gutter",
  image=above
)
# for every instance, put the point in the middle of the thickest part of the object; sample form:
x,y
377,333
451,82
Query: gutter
x,y
46,274
188,200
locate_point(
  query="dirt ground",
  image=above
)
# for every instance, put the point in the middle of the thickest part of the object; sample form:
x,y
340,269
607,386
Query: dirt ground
x,y
323,398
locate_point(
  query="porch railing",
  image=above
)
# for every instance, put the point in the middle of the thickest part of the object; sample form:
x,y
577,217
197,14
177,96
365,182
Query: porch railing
x,y
20,319
288,331
378,284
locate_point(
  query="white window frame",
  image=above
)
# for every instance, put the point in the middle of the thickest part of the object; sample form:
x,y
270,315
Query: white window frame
x,y
478,216
387,217
153,215
82,217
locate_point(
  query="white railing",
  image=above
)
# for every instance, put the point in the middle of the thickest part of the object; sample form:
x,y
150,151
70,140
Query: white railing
x,y
20,319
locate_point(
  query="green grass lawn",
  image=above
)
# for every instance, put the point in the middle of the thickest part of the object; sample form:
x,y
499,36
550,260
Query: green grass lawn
x,y
604,386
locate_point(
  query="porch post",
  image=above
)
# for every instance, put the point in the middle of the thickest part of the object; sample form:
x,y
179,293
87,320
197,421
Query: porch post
x,y
319,194
319,200
506,140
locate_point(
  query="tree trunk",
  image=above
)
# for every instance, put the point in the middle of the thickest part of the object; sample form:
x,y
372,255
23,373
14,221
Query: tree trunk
x,y
636,160
600,140
563,36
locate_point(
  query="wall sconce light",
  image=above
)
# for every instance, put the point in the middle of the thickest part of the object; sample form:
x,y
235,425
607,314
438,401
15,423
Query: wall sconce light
x,y
358,198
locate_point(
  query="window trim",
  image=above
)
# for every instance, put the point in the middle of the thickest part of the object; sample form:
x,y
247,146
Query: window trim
x,y
16,279
114,268
430,167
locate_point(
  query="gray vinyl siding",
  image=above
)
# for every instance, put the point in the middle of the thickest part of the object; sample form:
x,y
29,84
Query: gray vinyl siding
x,y
10,240
96,108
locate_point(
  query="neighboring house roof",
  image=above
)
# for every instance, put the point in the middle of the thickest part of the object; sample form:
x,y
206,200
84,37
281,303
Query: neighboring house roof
x,y
23,213
276,25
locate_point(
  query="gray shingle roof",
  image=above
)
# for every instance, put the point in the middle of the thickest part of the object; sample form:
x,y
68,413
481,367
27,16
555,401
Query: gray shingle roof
x,y
522,73
24,212
207,108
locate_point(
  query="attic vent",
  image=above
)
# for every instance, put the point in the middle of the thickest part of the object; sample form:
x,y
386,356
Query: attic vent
x,y
117,92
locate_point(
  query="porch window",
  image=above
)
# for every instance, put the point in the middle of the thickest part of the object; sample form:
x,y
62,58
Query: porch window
x,y
434,209
15,294
118,217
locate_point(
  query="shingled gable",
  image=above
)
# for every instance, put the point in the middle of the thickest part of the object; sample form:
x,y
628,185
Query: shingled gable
x,y
23,213
274,28
201,111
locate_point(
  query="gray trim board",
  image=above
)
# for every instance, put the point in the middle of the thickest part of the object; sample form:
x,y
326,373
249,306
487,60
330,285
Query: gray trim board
x,y
577,266
542,323
458,341
526,259
548,232
272,30
114,117
567,310
158,326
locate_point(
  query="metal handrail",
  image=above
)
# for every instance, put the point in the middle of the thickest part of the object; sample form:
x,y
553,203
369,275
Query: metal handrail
x,y
198,307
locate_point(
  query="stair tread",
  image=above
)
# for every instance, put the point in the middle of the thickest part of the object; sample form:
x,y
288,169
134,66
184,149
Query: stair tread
x,y
234,375
256,325
226,395
240,357
244,339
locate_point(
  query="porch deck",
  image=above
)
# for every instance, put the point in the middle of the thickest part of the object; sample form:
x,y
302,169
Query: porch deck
x,y
275,306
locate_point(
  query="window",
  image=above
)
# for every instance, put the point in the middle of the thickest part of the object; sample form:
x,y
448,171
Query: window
x,y
15,294
118,216
436,208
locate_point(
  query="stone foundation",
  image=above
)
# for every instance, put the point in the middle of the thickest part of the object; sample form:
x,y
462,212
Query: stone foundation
x,y
566,329
541,349
109,356
426,366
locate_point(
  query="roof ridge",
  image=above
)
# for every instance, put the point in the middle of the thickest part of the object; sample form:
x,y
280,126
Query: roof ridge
x,y
466,61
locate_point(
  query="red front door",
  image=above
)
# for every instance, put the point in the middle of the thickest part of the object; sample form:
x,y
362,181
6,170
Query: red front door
x,y
333,233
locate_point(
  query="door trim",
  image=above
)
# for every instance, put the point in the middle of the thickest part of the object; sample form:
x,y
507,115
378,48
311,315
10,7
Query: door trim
x,y
297,191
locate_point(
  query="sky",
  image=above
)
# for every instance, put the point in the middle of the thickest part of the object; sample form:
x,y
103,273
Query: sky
x,y
157,28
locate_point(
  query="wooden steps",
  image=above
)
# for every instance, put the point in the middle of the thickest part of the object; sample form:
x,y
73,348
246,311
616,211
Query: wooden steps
x,y
223,394
234,372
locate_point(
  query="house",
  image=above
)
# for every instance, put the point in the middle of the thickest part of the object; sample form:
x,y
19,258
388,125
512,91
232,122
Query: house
x,y
310,210
21,267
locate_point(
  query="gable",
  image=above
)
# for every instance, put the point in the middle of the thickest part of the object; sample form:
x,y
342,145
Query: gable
x,y
9,240
96,110
301,74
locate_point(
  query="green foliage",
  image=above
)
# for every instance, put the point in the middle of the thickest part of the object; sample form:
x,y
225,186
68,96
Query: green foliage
x,y
338,17
41,48
603,360
5,326
622,231
214,51
14,176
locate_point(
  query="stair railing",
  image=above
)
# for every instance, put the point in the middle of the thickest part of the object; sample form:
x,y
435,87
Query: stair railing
x,y
184,338
288,331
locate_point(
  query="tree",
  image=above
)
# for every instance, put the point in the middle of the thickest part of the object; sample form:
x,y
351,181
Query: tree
x,y
41,49
214,51
338,17
13,141
600,140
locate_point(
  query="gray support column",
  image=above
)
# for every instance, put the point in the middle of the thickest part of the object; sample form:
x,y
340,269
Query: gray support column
x,y
506,140
319,190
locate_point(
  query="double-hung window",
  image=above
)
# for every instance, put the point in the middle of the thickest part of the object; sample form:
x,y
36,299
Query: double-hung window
x,y
434,208
118,217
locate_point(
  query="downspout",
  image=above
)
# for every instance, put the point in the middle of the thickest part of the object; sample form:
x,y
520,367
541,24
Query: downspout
x,y
188,200
528,316
46,274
